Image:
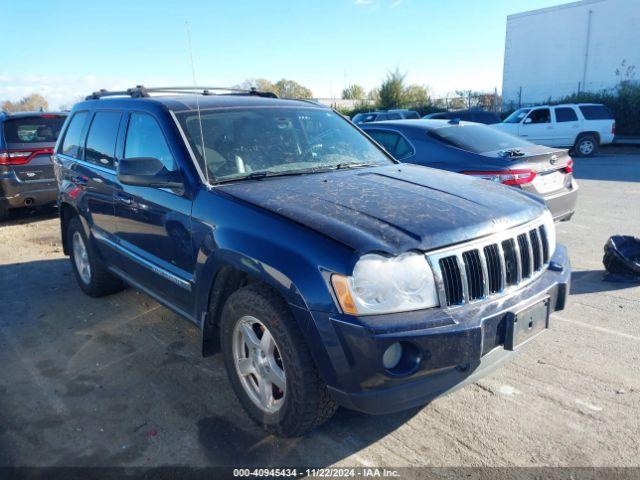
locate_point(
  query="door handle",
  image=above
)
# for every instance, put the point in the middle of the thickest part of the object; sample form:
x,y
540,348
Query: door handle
x,y
123,198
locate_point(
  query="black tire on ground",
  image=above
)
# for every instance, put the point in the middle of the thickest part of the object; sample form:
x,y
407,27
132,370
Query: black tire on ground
x,y
4,212
101,281
586,146
307,401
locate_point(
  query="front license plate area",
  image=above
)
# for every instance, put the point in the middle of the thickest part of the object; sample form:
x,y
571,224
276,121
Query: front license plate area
x,y
526,324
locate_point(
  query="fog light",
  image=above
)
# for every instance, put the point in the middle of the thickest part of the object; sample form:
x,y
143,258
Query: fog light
x,y
392,356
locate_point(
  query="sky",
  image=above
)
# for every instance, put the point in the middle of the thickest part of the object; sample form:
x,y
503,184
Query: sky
x,y
65,49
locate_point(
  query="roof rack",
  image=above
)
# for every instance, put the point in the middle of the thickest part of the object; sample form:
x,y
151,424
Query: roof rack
x,y
140,91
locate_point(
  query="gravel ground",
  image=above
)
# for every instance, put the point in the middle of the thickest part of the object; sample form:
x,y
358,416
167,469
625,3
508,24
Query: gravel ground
x,y
120,380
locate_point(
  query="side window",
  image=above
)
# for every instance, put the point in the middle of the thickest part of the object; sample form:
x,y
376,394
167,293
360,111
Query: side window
x,y
72,144
101,139
387,139
596,112
145,139
566,114
393,143
394,116
381,117
541,115
403,149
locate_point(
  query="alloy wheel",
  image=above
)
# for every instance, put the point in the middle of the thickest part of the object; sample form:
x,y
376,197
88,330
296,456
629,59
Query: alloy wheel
x,y
259,365
81,258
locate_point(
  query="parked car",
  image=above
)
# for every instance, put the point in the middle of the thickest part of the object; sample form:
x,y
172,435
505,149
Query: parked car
x,y
481,151
474,115
382,115
326,272
26,172
581,127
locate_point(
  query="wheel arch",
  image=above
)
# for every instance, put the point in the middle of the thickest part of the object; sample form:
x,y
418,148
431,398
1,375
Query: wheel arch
x,y
589,133
225,272
66,211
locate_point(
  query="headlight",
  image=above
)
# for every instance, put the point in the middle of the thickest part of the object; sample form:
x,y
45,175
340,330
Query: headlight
x,y
550,229
386,285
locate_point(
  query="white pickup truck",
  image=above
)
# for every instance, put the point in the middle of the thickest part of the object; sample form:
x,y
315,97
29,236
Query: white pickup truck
x,y
582,127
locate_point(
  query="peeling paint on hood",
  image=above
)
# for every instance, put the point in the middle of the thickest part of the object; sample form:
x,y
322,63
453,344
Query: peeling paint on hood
x,y
394,208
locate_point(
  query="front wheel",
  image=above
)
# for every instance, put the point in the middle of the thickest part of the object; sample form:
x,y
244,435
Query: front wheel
x,y
269,364
586,146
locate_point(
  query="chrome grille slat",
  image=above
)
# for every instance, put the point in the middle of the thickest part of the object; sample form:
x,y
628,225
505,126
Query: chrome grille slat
x,y
476,270
485,278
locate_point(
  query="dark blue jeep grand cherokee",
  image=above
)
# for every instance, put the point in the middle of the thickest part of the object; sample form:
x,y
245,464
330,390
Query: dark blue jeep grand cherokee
x,y
326,272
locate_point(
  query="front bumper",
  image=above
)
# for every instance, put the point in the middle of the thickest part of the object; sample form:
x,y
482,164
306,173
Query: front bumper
x,y
15,193
456,347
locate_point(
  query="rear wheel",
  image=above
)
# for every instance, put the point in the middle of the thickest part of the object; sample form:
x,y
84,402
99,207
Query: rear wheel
x,y
586,146
4,212
91,274
269,364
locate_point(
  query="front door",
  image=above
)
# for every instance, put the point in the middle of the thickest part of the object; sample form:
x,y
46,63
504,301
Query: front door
x,y
537,127
154,224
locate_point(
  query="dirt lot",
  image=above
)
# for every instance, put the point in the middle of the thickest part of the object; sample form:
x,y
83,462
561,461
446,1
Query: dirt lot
x,y
120,380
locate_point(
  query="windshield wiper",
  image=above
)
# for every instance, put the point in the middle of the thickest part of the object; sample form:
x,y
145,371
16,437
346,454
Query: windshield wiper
x,y
267,173
272,173
340,166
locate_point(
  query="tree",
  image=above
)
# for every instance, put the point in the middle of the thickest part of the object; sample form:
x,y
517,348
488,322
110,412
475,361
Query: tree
x,y
291,89
415,95
353,92
261,84
374,95
392,91
33,102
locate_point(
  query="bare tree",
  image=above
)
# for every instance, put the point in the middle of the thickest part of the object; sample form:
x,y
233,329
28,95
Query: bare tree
x,y
33,102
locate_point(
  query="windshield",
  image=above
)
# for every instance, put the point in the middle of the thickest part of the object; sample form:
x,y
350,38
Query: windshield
x,y
517,116
239,142
477,138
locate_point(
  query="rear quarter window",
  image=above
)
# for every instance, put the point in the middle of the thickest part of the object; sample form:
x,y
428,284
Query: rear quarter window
x,y
72,144
596,112
33,129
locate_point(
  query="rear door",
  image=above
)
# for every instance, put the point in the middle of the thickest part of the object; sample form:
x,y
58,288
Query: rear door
x,y
29,145
154,224
87,155
567,126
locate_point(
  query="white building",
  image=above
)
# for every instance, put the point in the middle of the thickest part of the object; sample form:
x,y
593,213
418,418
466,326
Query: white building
x,y
557,51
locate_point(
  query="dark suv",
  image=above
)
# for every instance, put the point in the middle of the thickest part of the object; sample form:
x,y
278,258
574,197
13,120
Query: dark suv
x,y
383,115
26,172
326,272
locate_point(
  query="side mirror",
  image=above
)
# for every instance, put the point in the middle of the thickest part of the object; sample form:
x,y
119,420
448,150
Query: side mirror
x,y
147,172
527,121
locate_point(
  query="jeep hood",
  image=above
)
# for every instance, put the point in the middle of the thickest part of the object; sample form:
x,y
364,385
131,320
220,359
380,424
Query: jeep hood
x,y
394,208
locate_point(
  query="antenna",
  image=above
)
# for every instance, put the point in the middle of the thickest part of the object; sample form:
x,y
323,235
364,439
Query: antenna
x,y
193,73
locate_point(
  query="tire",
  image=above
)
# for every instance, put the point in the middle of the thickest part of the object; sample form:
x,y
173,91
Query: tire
x,y
4,213
586,146
96,281
305,402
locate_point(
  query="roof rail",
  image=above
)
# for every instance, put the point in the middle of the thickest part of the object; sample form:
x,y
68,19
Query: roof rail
x,y
140,91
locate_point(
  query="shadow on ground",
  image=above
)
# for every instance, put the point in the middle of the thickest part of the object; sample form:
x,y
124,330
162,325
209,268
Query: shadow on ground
x,y
591,281
20,216
614,168
120,380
